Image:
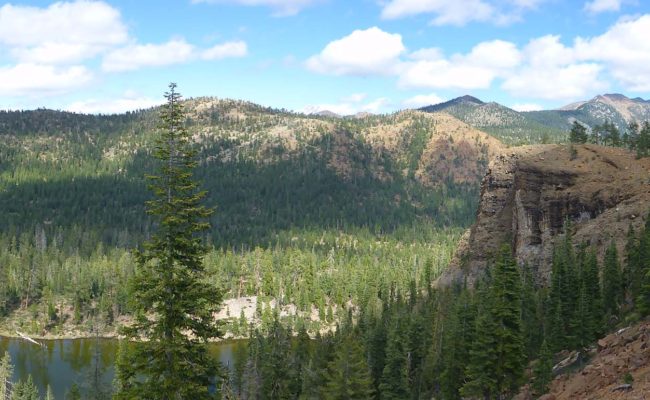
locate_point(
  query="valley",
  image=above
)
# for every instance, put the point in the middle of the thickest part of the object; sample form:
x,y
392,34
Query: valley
x,y
329,232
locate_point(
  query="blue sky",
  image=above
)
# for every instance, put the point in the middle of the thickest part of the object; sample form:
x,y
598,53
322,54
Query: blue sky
x,y
310,55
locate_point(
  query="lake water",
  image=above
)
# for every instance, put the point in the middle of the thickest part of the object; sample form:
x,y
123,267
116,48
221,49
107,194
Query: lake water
x,y
61,363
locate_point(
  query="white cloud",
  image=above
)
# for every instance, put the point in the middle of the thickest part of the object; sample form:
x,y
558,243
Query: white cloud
x,y
64,32
176,51
526,107
148,55
561,82
475,70
599,6
363,52
448,12
422,100
226,50
547,51
428,54
354,98
376,106
129,102
459,13
625,49
445,74
282,8
40,80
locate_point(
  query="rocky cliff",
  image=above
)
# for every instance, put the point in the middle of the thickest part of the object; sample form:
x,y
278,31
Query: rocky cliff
x,y
529,192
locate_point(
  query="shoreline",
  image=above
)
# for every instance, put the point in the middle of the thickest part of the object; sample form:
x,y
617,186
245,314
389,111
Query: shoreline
x,y
84,335
80,335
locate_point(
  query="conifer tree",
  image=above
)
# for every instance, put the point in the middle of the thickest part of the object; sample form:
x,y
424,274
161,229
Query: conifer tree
x,y
394,378
49,395
73,393
348,374
612,282
276,377
591,282
25,390
578,133
481,380
300,360
632,276
6,374
497,357
173,304
456,342
543,370
643,299
530,314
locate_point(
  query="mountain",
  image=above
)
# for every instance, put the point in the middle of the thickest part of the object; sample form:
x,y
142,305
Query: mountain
x,y
458,105
544,126
502,122
615,108
530,192
267,169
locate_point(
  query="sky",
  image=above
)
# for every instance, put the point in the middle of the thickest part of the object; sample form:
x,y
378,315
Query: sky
x,y
346,56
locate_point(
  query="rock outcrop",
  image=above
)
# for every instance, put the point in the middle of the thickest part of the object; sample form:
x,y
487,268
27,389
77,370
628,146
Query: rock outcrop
x,y
620,369
529,192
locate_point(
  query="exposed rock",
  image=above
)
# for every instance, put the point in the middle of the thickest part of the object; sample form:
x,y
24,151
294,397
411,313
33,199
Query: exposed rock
x,y
623,388
568,362
529,192
603,377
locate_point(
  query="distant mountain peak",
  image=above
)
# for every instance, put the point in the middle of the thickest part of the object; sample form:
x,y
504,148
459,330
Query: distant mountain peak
x,y
463,100
467,99
327,113
614,96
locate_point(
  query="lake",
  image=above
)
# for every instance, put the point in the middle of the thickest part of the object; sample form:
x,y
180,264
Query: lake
x,y
61,363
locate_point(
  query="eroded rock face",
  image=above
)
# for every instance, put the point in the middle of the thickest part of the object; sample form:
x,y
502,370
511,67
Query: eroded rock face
x,y
529,192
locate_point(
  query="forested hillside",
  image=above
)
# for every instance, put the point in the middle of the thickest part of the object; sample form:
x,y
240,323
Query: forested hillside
x,y
306,207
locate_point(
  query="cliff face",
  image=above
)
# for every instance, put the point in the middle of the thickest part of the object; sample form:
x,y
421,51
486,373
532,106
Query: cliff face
x,y
529,192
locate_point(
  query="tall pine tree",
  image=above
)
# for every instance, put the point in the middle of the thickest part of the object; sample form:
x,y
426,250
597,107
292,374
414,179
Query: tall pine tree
x,y
348,375
612,282
174,307
497,357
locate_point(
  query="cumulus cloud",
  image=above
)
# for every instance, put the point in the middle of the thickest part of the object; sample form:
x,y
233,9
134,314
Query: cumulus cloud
x,y
130,101
64,32
226,50
599,6
176,51
281,8
148,55
562,82
363,52
625,50
39,80
544,68
475,70
448,12
459,13
422,100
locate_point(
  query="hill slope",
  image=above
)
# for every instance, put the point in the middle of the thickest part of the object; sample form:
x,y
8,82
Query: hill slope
x,y
267,170
504,123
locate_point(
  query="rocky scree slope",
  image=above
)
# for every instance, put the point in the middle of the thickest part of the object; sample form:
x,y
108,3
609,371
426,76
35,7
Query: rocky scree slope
x,y
603,376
